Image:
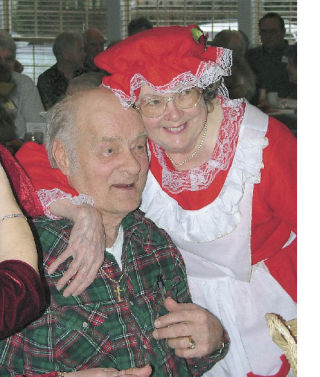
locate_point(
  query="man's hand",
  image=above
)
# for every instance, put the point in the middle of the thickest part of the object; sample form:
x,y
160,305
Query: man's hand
x,y
185,321
86,246
111,372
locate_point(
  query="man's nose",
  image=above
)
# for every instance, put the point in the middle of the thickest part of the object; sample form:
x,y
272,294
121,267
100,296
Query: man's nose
x,y
130,163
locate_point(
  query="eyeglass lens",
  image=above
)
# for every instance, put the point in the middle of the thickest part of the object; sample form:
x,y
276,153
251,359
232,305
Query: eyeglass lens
x,y
154,106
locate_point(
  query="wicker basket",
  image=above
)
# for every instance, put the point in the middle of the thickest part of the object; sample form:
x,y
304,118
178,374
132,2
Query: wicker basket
x,y
284,334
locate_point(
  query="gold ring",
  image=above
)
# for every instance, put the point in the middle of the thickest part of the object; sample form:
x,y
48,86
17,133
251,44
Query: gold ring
x,y
192,343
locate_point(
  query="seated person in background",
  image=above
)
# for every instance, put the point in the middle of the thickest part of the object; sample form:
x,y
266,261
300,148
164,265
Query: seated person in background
x,y
241,83
85,81
68,48
93,44
269,60
21,291
20,100
121,320
292,64
138,24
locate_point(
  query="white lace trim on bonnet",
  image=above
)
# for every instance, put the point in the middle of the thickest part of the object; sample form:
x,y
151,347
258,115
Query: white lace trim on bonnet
x,y
208,73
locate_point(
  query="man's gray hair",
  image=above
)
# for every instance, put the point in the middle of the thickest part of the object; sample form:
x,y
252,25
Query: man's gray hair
x,y
66,39
60,125
7,42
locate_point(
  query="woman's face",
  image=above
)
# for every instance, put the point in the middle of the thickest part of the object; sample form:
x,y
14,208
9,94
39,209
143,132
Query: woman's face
x,y
176,130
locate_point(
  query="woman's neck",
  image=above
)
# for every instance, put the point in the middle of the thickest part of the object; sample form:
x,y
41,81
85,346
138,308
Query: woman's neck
x,y
214,120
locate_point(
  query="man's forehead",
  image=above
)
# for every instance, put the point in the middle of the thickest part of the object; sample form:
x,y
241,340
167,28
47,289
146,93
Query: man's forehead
x,y
100,110
270,23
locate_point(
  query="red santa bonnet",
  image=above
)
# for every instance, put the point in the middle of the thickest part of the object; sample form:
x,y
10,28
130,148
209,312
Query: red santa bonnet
x,y
168,59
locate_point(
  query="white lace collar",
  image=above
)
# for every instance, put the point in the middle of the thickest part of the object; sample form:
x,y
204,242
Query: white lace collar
x,y
201,177
222,215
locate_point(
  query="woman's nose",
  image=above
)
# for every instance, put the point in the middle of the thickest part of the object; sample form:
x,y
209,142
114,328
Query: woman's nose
x,y
172,112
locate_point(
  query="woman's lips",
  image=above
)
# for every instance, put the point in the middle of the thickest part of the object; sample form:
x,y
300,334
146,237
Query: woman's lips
x,y
176,130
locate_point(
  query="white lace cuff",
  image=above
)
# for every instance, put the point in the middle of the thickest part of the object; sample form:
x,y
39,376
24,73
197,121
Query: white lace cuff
x,y
47,197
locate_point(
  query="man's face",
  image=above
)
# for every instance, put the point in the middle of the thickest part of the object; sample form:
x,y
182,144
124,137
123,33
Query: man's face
x,y
94,45
111,154
76,54
271,34
6,64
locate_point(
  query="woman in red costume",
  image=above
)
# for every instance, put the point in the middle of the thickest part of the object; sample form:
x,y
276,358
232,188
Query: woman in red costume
x,y
222,183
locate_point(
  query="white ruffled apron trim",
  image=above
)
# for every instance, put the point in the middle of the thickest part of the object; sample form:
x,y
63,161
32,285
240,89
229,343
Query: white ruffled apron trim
x,y
222,215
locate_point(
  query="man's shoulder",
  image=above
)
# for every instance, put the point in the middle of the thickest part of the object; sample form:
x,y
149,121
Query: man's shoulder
x,y
21,79
254,51
51,231
49,73
137,223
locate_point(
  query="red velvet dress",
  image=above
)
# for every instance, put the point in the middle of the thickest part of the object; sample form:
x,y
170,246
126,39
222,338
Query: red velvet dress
x,y
21,292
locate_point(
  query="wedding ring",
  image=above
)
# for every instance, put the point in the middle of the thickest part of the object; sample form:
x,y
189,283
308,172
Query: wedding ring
x,y
192,343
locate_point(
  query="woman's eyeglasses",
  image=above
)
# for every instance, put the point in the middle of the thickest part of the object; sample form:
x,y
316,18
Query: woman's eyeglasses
x,y
154,106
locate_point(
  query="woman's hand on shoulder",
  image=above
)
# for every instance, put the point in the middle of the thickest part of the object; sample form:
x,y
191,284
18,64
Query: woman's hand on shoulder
x,y
86,246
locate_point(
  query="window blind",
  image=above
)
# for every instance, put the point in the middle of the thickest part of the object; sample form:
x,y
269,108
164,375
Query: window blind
x,y
211,15
35,23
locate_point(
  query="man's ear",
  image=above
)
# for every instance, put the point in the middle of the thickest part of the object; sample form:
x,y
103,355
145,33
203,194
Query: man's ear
x,y
65,53
61,157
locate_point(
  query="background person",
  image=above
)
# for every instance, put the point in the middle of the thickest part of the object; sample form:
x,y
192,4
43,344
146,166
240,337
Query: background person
x,y
20,99
214,185
94,42
241,83
68,48
138,24
269,61
22,295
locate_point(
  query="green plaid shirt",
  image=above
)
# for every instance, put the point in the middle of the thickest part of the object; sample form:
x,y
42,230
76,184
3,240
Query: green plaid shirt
x,y
94,329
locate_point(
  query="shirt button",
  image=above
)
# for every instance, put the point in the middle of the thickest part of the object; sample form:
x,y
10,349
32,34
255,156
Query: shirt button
x,y
85,325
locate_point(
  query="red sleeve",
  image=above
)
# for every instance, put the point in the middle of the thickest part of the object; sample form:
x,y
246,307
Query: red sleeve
x,y
274,212
22,296
34,159
22,186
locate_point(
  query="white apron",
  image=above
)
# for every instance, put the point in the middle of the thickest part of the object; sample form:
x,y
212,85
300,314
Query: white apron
x,y
219,270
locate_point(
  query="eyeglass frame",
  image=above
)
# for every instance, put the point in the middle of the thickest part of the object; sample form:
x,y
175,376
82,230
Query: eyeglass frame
x,y
171,98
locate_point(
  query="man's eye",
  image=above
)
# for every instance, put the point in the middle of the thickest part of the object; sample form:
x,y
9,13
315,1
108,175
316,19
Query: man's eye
x,y
141,147
108,151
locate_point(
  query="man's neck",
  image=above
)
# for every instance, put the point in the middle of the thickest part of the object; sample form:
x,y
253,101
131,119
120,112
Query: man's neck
x,y
66,69
111,232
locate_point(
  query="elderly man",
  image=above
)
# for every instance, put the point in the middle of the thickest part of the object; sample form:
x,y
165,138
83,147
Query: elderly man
x,y
19,98
93,44
269,60
68,48
138,309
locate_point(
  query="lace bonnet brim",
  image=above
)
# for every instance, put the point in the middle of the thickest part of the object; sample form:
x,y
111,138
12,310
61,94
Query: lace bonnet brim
x,y
168,59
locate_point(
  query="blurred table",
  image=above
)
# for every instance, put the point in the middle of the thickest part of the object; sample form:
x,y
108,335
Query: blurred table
x,y
285,113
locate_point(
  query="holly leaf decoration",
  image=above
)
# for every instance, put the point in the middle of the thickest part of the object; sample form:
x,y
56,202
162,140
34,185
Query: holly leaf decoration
x,y
199,36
